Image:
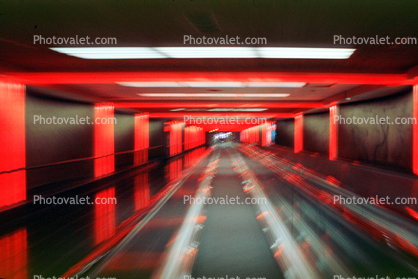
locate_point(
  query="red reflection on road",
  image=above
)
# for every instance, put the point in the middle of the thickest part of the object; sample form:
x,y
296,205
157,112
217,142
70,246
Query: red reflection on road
x,y
13,256
104,225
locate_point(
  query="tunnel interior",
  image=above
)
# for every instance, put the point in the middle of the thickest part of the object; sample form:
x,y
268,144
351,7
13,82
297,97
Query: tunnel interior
x,y
208,139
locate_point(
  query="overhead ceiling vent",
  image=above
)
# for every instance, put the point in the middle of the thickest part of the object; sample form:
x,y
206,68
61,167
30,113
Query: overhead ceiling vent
x,y
204,22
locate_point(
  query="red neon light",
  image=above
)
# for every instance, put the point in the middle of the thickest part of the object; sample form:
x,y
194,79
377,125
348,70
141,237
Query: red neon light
x,y
142,192
13,256
333,133
309,77
12,142
104,211
104,140
141,138
298,133
415,132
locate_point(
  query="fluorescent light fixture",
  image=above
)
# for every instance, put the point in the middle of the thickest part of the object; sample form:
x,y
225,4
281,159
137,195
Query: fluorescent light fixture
x,y
208,52
205,52
305,53
214,84
213,95
111,52
179,109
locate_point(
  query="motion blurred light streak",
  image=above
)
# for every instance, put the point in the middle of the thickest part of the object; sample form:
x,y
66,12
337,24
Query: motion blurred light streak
x,y
290,258
375,220
12,144
180,258
104,146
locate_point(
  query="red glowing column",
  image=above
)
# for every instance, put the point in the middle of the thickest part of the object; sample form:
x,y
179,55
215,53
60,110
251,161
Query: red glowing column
x,y
333,133
104,146
12,144
298,133
141,138
13,256
175,137
104,213
415,132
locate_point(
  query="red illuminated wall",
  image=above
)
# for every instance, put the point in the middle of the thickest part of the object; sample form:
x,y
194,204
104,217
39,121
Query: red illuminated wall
x,y
175,137
13,256
104,146
266,129
104,215
333,133
141,138
298,133
250,135
142,192
12,143
193,137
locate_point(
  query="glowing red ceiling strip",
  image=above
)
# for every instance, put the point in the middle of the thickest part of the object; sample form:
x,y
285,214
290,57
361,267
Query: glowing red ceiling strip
x,y
298,133
13,256
415,132
104,140
104,211
113,77
141,138
333,133
12,143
